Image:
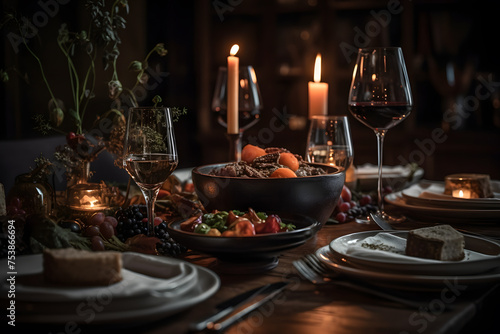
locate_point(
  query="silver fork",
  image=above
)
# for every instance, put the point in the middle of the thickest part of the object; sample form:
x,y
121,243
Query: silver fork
x,y
312,269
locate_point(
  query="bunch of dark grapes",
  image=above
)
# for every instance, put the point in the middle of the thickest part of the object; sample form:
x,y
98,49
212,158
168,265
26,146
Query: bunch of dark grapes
x,y
360,211
133,221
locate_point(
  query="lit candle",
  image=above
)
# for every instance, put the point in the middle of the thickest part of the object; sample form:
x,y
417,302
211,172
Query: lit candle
x,y
461,193
318,92
232,91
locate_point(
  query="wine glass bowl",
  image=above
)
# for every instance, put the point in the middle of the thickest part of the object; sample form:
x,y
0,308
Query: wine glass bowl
x,y
329,141
249,97
380,96
150,152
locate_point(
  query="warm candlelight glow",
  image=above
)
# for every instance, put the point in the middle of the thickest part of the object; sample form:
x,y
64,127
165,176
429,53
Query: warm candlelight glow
x,y
317,68
234,50
318,92
459,193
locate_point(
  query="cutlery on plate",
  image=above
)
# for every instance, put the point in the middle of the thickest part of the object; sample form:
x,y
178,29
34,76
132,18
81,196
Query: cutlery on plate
x,y
381,222
237,307
311,268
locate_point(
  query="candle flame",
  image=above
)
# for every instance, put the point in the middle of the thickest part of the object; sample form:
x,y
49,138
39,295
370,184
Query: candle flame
x,y
460,193
234,50
317,68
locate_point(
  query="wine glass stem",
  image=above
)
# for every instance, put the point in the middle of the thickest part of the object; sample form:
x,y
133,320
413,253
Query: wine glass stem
x,y
150,197
380,151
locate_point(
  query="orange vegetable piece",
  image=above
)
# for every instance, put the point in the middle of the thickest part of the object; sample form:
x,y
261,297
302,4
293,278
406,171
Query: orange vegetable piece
x,y
250,152
289,160
283,172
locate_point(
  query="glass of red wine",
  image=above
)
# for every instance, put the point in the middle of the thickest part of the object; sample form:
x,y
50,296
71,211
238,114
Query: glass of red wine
x,y
380,97
150,152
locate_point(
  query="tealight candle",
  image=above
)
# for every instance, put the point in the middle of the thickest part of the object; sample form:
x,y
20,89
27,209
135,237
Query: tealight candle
x,y
318,92
468,186
459,193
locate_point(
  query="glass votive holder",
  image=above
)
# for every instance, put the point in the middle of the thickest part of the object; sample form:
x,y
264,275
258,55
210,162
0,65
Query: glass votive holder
x,y
86,197
468,186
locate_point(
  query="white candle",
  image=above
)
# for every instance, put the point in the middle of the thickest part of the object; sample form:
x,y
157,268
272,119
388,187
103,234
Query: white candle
x,y
232,91
318,92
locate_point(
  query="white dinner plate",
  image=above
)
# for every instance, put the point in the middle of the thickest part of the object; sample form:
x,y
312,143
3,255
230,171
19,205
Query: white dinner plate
x,y
449,283
448,215
429,193
480,256
108,305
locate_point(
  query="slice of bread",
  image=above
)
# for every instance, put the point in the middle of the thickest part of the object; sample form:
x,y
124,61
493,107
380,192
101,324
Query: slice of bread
x,y
69,266
441,242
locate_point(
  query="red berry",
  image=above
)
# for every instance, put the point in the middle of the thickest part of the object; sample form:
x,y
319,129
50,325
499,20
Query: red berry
x,y
344,207
365,200
97,218
353,204
107,230
91,231
341,217
112,220
97,244
346,194
157,221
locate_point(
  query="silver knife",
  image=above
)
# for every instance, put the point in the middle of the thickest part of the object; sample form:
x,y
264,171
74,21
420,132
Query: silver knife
x,y
234,308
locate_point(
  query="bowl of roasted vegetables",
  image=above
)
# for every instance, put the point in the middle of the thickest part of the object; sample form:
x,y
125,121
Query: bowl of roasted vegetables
x,y
271,179
245,234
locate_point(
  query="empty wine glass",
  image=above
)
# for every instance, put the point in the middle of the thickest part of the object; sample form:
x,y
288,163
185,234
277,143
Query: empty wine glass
x,y
150,153
380,96
329,141
249,98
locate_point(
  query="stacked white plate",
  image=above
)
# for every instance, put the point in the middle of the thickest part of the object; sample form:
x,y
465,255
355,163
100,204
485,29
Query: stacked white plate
x,y
358,256
427,199
153,287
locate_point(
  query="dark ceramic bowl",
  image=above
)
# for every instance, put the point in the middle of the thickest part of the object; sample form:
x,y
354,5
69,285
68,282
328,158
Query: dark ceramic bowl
x,y
257,247
312,196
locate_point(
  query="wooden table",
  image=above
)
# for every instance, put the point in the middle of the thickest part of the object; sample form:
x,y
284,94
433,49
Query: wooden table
x,y
306,308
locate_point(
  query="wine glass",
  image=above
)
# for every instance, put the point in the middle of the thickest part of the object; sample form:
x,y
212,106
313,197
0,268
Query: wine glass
x,y
150,153
380,97
249,98
329,141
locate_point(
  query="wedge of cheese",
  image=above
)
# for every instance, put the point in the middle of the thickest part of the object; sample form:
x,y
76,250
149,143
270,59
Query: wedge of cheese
x,y
441,242
69,266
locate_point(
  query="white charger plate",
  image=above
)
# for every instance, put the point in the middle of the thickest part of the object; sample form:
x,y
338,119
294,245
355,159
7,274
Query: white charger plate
x,y
395,280
417,194
115,308
473,262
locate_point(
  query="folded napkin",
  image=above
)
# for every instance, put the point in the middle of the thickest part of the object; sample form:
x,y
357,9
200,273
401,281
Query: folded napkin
x,y
388,247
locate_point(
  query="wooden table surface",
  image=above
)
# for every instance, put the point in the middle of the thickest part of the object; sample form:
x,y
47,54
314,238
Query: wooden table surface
x,y
308,308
